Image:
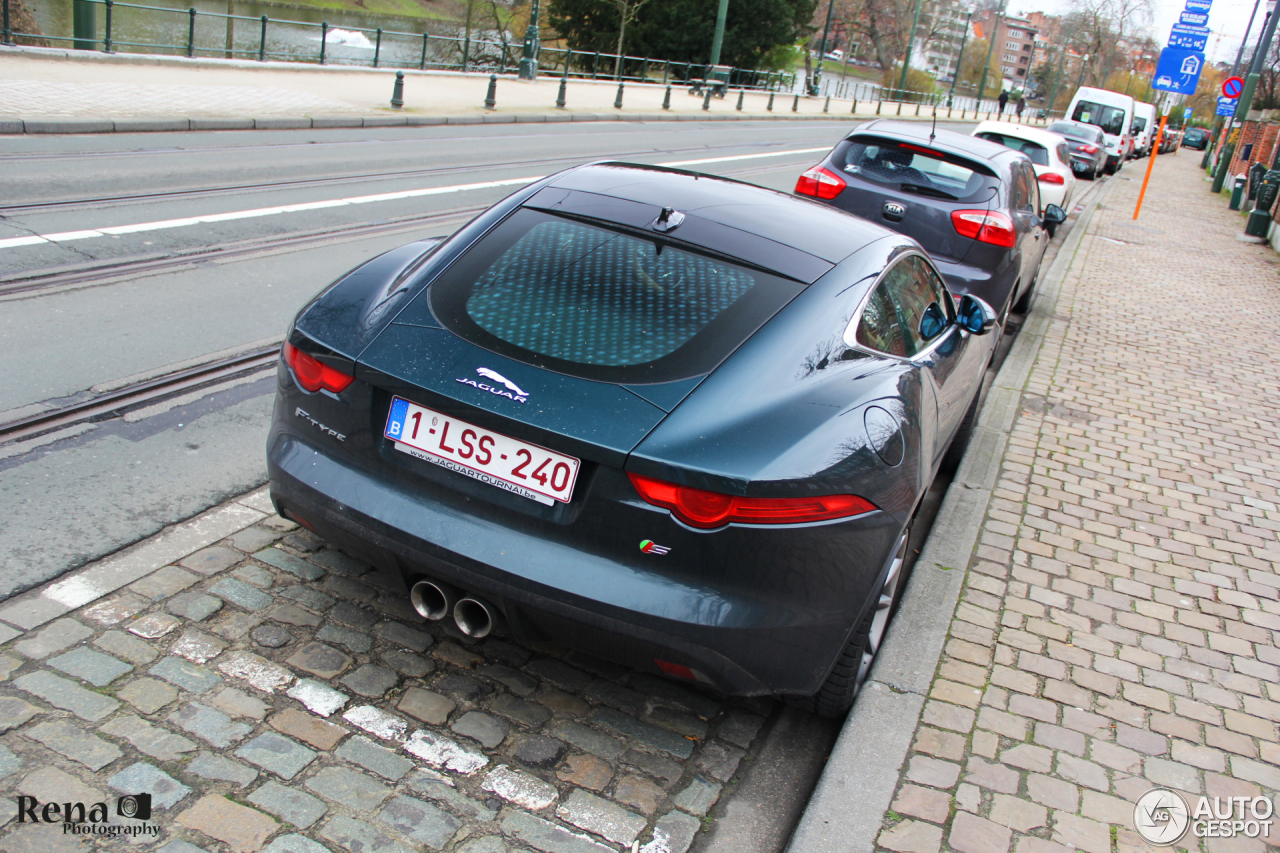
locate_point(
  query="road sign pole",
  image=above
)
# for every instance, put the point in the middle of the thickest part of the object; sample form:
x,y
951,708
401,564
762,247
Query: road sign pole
x,y
1246,97
1151,162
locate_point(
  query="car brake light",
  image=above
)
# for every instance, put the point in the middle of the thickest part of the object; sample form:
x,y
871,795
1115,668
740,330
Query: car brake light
x,y
313,375
1052,178
820,183
985,226
705,510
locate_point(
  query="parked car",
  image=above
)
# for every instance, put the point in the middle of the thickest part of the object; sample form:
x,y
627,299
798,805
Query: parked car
x,y
1087,145
681,422
1195,137
1146,122
1050,158
1111,111
972,204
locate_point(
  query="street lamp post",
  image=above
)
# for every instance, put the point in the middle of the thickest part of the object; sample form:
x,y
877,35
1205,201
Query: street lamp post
x,y
960,59
991,48
906,60
817,72
532,46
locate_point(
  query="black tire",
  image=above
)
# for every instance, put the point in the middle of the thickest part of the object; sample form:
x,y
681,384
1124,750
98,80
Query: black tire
x,y
835,697
955,453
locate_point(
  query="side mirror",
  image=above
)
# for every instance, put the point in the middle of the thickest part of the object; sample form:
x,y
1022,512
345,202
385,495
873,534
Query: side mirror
x,y
1055,215
933,322
975,315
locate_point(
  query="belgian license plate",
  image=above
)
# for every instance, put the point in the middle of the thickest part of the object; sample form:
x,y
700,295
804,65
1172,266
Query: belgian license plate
x,y
510,464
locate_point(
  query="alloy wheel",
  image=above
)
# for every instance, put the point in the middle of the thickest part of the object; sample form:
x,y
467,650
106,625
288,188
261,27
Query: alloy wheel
x,y
885,604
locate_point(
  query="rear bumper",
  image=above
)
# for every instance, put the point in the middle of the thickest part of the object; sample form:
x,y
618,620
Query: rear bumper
x,y
745,639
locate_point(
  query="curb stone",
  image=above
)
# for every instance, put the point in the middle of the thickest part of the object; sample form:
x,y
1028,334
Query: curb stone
x,y
849,802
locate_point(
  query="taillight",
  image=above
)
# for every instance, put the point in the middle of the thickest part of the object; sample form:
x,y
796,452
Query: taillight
x,y
705,510
985,226
1052,178
311,374
820,183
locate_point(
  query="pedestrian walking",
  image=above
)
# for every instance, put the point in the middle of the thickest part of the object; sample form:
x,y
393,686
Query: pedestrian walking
x,y
1022,105
1003,101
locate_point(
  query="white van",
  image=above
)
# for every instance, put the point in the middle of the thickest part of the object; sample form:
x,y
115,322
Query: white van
x,y
1111,111
1145,123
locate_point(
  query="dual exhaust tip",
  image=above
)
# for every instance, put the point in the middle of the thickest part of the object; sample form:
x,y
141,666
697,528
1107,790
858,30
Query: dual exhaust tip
x,y
474,617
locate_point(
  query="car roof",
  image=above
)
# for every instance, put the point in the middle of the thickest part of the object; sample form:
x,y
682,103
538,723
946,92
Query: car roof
x,y
1020,131
816,229
947,141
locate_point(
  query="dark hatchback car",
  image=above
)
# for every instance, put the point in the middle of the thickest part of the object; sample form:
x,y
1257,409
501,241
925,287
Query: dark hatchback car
x,y
1195,137
972,204
678,421
1088,145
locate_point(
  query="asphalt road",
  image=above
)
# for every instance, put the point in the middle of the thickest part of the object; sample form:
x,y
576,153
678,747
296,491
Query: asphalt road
x,y
118,197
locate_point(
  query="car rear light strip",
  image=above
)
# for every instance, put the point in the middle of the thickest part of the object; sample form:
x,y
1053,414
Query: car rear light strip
x,y
705,510
985,226
313,375
821,183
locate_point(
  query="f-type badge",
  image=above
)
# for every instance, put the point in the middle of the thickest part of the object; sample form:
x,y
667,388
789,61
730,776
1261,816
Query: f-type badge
x,y
513,391
894,211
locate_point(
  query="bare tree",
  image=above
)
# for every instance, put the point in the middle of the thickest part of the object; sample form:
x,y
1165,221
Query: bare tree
x,y
627,11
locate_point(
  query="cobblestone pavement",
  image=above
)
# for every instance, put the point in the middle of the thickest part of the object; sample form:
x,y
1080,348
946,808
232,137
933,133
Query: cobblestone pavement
x,y
272,694
1120,624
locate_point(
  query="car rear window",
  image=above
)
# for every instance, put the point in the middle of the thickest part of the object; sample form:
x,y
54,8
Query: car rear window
x,y
1110,119
913,168
585,299
1038,153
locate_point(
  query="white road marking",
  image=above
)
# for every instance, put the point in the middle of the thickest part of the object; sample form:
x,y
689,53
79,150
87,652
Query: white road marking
x,y
117,230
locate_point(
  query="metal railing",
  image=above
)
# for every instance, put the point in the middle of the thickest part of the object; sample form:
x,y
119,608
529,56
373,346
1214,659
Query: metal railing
x,y
395,49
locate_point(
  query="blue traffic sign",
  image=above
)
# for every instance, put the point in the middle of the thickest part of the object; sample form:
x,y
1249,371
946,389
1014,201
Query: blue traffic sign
x,y
1199,5
1188,41
1178,71
1195,19
1226,106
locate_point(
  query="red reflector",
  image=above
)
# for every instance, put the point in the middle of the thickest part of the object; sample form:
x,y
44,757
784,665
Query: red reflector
x,y
820,183
985,226
678,670
313,375
1052,178
705,510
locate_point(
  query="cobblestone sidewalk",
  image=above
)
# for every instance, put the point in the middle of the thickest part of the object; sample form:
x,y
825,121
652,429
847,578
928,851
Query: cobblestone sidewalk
x,y
1120,624
269,693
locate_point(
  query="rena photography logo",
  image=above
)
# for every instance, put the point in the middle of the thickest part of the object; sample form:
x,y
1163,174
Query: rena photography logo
x,y
1162,817
92,819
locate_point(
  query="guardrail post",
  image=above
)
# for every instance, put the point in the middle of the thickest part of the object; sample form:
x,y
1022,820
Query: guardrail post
x,y
491,97
324,39
84,26
106,37
377,48
191,32
8,30
617,102
666,99
422,66
262,41
397,92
